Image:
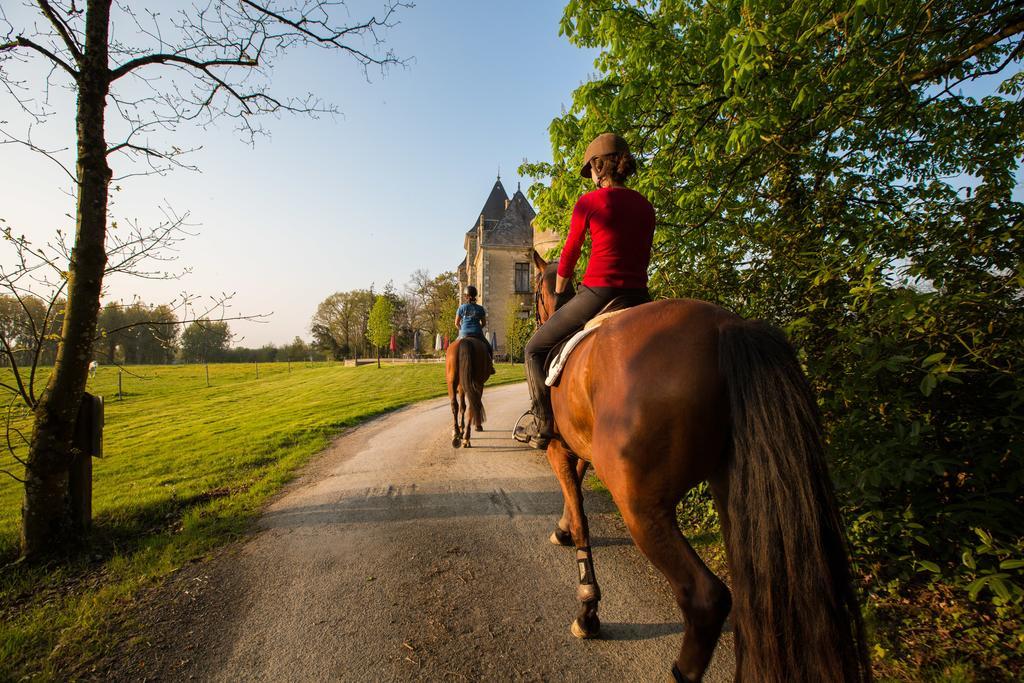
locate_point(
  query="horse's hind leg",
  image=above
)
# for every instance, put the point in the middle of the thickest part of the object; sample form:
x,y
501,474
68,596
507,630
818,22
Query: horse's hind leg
x,y
561,535
702,597
564,464
453,395
462,426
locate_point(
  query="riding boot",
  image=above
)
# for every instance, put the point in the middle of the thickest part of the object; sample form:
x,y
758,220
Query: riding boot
x,y
540,398
545,421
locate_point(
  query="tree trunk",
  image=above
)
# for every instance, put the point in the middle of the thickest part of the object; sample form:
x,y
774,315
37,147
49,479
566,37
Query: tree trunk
x,y
46,512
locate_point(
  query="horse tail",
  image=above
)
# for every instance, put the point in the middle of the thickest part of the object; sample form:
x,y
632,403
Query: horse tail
x,y
471,355
795,613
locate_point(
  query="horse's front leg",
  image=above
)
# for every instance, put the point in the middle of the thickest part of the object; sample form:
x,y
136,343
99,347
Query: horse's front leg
x,y
561,535
565,466
479,416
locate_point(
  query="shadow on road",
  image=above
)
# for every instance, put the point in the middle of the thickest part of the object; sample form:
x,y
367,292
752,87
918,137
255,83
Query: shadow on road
x,y
398,504
621,631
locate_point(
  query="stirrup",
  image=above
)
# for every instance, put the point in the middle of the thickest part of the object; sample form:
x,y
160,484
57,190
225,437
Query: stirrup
x,y
526,426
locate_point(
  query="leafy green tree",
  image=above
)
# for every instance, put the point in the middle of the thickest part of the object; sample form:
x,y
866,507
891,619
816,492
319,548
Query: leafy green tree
x,y
205,341
29,330
325,342
381,324
157,337
297,350
142,333
401,318
339,325
520,329
846,170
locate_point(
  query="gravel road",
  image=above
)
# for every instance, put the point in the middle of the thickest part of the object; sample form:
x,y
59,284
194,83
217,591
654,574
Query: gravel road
x,y
396,557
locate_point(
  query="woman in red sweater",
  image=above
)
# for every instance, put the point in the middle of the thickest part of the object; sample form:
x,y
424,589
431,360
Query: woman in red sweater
x,y
621,226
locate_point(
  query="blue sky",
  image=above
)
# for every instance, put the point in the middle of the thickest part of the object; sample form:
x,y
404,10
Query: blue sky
x,y
338,203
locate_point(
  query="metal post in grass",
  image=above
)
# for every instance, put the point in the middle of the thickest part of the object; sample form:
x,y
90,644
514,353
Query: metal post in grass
x,y
119,373
257,369
207,375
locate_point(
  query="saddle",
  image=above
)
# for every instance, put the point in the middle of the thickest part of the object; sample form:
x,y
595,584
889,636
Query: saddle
x,y
559,355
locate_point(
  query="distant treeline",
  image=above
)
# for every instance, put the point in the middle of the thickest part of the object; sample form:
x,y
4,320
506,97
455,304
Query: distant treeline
x,y
145,334
132,334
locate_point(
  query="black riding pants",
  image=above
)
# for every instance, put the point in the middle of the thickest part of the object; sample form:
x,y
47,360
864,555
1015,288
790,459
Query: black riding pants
x,y
567,320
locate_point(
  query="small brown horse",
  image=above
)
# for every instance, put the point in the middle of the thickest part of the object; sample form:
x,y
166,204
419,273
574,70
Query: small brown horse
x,y
672,393
466,370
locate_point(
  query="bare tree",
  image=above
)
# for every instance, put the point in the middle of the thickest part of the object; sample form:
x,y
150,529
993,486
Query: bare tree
x,y
431,295
200,63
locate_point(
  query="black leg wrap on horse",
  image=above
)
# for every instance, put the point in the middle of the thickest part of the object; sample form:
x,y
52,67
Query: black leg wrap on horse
x,y
680,678
588,589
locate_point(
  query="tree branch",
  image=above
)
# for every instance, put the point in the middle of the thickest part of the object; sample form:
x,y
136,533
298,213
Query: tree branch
x,y
9,352
62,28
198,319
163,58
22,41
49,154
334,36
947,65
13,476
40,341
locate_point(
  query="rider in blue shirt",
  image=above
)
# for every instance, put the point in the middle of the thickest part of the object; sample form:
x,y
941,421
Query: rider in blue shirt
x,y
471,318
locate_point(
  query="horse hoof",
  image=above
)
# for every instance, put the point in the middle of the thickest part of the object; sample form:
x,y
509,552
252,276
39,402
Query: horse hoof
x,y
583,633
559,537
479,428
456,442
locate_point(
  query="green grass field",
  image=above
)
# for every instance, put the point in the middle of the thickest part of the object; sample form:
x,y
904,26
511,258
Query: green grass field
x,y
186,468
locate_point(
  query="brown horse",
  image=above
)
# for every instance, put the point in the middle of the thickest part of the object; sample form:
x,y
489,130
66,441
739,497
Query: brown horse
x,y
672,393
466,369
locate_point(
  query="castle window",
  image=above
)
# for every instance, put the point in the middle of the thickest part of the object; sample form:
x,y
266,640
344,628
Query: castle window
x,y
522,278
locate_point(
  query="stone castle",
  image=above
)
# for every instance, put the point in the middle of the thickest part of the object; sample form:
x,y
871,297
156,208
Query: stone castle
x,y
499,259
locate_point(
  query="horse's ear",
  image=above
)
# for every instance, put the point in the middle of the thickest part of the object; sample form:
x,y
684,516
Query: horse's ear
x,y
538,261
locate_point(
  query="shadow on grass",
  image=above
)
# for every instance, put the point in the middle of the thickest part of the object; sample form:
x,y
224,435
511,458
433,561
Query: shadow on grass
x,y
118,534
189,521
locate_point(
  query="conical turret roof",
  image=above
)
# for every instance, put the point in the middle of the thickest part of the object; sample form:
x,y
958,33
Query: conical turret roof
x,y
520,199
494,207
516,225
